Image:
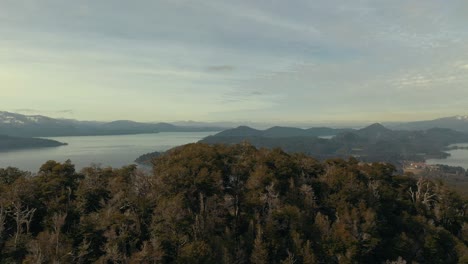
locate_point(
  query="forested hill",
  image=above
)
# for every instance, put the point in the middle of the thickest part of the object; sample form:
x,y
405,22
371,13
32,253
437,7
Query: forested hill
x,y
372,143
8,143
280,132
230,204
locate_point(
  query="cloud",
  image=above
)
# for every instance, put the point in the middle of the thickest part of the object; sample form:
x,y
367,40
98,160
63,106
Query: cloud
x,y
221,68
26,110
259,15
160,59
30,111
66,111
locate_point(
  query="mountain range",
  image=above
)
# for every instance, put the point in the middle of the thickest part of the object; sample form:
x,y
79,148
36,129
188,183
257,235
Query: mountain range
x,y
280,131
372,143
41,126
458,123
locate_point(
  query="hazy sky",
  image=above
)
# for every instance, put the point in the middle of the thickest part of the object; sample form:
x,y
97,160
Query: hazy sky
x,y
258,60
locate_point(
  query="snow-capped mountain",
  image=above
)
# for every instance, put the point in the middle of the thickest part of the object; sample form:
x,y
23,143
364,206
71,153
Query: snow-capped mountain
x,y
24,120
13,124
464,118
34,125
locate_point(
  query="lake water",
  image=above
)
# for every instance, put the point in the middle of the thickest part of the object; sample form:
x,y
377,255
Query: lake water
x,y
458,158
115,151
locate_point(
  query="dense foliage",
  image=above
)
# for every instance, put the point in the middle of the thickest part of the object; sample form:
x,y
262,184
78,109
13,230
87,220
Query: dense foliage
x,y
229,204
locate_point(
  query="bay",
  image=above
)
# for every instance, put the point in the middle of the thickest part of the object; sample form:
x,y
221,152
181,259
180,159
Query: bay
x,y
457,158
115,151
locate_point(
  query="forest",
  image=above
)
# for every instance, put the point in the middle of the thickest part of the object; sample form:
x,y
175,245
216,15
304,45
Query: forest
x,y
229,204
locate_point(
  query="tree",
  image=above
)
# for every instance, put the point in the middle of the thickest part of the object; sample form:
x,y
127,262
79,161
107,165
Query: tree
x,y
259,252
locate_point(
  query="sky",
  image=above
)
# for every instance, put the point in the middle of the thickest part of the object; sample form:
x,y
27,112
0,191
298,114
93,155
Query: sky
x,y
245,60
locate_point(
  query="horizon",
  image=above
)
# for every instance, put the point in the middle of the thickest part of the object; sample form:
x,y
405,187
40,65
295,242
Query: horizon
x,y
216,61
255,125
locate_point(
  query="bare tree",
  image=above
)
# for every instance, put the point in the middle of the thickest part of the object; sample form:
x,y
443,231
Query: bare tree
x,y
36,254
58,220
291,259
424,193
21,217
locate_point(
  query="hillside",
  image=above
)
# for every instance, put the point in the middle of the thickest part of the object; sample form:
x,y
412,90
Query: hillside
x,y
8,143
230,204
42,126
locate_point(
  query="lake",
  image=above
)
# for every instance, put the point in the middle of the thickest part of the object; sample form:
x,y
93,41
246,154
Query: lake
x,y
458,157
115,151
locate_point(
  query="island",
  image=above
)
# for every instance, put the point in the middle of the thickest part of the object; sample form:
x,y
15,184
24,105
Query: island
x,y
9,143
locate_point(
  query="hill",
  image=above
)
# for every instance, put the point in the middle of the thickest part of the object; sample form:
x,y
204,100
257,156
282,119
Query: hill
x,y
8,143
230,204
42,126
290,139
372,143
280,132
458,123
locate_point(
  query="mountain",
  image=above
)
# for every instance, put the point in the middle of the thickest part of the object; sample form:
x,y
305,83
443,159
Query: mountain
x,y
41,126
8,143
373,143
280,132
132,127
459,123
241,131
288,138
34,125
376,129
375,132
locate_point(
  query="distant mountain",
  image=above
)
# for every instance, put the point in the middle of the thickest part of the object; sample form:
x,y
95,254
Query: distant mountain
x,y
459,123
280,132
289,138
374,129
375,132
242,131
225,124
42,126
372,143
8,143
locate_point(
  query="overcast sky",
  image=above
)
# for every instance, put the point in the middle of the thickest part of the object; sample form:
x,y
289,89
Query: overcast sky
x,y
238,60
